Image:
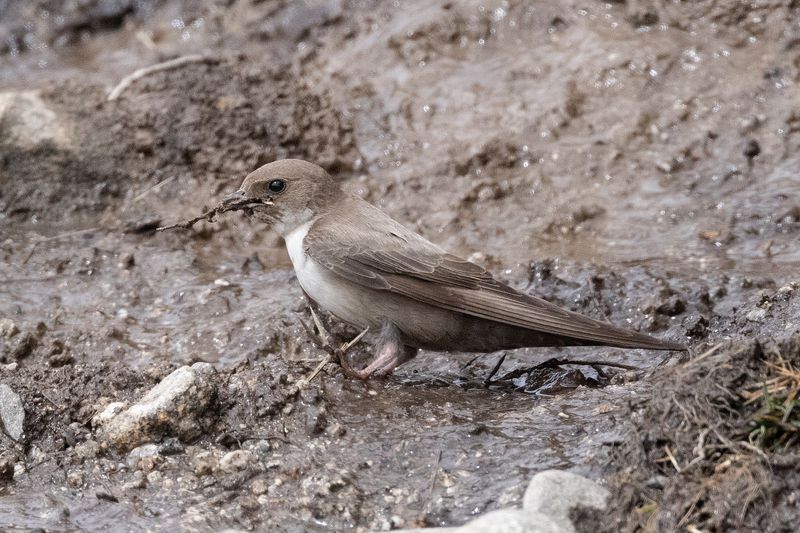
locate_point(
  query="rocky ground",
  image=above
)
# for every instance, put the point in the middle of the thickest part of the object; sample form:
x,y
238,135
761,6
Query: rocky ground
x,y
634,161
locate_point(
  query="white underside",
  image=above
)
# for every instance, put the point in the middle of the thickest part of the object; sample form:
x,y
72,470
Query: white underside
x,y
294,245
323,286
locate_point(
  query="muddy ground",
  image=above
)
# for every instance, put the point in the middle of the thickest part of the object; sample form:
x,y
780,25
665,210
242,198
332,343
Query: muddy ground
x,y
634,161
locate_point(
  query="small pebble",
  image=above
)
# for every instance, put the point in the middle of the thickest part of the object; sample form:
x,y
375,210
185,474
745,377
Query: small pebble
x,y
7,328
236,461
75,479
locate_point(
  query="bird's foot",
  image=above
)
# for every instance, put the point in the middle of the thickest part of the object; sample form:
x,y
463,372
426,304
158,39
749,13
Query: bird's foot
x,y
324,340
391,354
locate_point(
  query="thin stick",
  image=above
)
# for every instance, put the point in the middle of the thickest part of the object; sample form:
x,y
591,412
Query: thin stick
x,y
346,346
155,187
433,478
580,362
208,215
55,238
472,361
211,213
159,67
309,331
325,360
707,353
672,459
495,369
323,333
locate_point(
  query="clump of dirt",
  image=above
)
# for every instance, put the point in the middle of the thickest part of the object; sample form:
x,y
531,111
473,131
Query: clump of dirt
x,y
722,453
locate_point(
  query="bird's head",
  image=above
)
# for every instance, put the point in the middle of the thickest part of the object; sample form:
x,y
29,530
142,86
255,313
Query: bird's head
x,y
285,193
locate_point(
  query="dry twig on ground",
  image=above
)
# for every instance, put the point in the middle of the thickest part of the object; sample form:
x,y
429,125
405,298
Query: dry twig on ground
x,y
159,67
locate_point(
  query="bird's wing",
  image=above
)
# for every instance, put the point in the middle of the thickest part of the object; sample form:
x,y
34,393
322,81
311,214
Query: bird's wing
x,y
378,253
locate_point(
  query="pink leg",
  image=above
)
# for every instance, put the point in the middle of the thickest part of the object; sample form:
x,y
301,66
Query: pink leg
x,y
391,354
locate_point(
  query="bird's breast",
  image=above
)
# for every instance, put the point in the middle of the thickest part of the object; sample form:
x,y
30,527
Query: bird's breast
x,y
332,293
294,245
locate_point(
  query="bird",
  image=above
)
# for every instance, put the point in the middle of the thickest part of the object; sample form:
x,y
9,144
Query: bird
x,y
359,264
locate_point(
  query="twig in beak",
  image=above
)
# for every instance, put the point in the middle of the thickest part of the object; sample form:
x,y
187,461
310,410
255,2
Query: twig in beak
x,y
211,213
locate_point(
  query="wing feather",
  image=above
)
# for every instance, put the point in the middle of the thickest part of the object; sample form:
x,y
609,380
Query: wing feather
x,y
386,256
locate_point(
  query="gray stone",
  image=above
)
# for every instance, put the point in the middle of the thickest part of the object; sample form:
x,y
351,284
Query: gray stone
x,y
7,328
757,315
236,461
204,463
550,497
511,521
143,457
137,481
12,413
554,493
174,407
26,121
107,414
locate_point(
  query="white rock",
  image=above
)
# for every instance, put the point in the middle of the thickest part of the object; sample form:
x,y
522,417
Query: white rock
x,y
147,454
757,315
12,413
554,493
26,121
155,477
510,521
204,463
111,410
7,328
550,497
173,407
236,460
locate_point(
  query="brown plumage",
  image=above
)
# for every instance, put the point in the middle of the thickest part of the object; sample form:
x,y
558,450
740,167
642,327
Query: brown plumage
x,y
369,270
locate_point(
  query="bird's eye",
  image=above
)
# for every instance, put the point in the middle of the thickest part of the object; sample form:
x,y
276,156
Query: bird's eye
x,y
276,185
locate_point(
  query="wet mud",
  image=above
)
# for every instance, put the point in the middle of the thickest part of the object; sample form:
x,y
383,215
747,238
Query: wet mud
x,y
633,161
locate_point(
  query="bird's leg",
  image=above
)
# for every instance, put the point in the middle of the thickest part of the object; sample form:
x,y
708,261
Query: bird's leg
x,y
324,340
391,353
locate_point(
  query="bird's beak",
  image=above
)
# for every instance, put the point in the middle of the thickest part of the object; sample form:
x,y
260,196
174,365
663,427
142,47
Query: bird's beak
x,y
233,198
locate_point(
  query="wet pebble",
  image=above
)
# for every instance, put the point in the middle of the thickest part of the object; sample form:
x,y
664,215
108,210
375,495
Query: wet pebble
x,y
109,411
8,328
145,457
87,450
138,481
75,479
204,463
12,413
24,346
236,461
28,122
752,149
549,499
174,407
259,486
170,446
695,325
757,315
674,305
127,261
6,469
143,141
